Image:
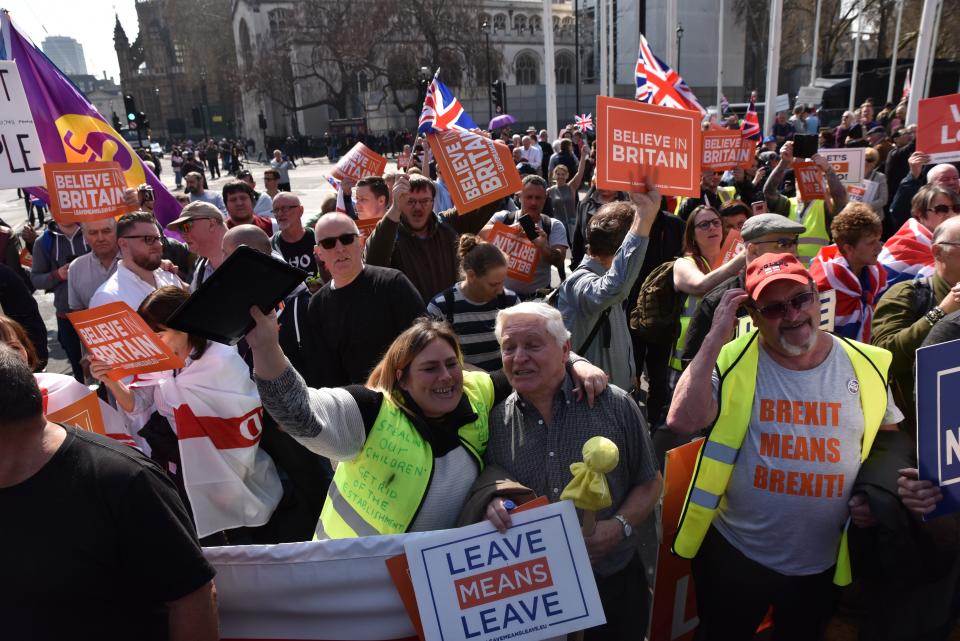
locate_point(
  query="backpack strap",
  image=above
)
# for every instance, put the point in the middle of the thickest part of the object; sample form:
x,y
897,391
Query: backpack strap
x,y
923,295
604,320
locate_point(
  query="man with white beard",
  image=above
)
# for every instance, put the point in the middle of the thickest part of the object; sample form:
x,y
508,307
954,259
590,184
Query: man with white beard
x,y
794,412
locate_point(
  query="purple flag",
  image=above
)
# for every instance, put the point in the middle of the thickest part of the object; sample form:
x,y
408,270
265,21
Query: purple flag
x,y
70,128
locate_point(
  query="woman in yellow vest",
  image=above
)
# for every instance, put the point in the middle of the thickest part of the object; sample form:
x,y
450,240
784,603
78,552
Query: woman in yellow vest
x,y
409,444
693,275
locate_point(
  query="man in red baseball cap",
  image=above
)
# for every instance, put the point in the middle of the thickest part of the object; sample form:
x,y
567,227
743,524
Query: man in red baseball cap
x,y
792,411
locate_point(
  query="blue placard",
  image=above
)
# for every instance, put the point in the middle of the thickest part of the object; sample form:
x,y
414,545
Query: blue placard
x,y
938,421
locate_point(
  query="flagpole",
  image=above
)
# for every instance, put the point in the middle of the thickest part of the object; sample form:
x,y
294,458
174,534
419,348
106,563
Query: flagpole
x,y
719,62
773,63
921,58
856,57
611,50
548,61
816,43
670,50
896,50
933,47
602,9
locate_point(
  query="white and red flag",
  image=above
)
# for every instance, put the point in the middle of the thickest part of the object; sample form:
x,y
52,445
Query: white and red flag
x,y
908,254
906,85
218,419
854,310
584,122
658,84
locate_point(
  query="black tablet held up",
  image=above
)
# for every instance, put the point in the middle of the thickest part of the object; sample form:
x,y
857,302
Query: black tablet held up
x,y
220,308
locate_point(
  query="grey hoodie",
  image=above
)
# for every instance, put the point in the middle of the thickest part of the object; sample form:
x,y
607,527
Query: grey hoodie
x,y
52,250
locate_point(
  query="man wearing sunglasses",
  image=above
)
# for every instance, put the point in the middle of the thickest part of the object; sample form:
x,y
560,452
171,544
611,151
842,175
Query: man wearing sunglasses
x,y
138,272
201,225
711,193
765,518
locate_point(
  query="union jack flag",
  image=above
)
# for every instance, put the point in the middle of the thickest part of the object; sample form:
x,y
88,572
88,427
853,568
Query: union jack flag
x,y
750,129
658,84
333,182
724,104
584,122
442,111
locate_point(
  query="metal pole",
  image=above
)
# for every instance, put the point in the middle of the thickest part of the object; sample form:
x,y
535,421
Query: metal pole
x,y
856,57
896,50
816,44
612,48
921,58
548,64
602,9
719,62
576,49
486,32
679,42
773,63
670,46
933,48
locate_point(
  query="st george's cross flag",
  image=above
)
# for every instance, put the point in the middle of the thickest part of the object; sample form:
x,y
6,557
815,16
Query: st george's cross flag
x,y
908,254
442,111
658,84
854,307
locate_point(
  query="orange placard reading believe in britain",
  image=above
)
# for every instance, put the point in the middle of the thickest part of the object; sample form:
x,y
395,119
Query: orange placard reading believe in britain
x,y
360,161
725,149
732,245
522,255
117,335
81,192
475,169
635,139
938,128
84,414
809,181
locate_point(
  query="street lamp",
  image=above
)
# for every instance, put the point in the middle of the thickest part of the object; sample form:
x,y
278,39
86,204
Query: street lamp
x,y
679,39
485,27
203,103
159,116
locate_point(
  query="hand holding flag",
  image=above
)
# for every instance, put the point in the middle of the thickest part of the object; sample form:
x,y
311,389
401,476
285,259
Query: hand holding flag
x,y
442,111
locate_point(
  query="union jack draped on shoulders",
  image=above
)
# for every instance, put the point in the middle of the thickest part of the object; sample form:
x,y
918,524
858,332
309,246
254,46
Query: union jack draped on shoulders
x,y
658,84
442,111
908,254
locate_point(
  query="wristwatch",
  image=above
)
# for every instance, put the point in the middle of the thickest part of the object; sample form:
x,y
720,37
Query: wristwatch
x,y
627,528
934,316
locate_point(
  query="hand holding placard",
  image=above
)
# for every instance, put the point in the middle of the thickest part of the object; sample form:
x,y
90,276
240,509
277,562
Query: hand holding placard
x,y
589,489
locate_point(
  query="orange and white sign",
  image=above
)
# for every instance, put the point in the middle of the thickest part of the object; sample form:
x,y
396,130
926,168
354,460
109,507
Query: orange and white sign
x,y
117,335
759,207
725,149
635,139
476,170
732,245
367,225
359,162
84,414
81,192
847,163
404,161
865,192
809,179
522,255
938,128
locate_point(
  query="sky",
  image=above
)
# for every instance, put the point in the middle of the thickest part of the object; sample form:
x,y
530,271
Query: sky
x,y
90,22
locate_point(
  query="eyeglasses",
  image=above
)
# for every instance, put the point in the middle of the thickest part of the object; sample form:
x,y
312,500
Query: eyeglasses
x,y
148,240
284,208
330,243
707,224
782,243
422,202
776,311
945,209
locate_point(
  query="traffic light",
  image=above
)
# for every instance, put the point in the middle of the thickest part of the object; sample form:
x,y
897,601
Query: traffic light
x,y
141,120
116,121
263,120
498,91
130,106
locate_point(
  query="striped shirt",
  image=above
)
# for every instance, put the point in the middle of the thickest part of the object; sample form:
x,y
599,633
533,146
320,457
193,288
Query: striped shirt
x,y
473,323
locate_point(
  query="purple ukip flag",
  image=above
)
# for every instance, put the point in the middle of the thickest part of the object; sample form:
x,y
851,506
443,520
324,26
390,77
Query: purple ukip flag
x,y
69,127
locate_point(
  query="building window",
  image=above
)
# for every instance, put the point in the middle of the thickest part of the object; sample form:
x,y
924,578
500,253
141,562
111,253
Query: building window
x,y
564,68
556,24
278,21
567,24
527,69
500,22
246,51
536,24
520,23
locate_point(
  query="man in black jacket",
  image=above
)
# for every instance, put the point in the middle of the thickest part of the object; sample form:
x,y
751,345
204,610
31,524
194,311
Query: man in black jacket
x,y
17,304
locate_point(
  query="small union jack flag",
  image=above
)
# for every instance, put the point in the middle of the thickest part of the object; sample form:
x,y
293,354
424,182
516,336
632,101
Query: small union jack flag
x,y
333,182
442,111
724,104
658,84
584,122
750,129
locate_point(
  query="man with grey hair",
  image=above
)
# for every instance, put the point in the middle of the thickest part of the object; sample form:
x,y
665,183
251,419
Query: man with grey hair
x,y
539,431
292,240
91,270
943,175
202,227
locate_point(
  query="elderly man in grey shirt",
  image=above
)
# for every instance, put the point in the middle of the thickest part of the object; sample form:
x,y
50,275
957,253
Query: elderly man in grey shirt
x,y
91,270
590,299
539,431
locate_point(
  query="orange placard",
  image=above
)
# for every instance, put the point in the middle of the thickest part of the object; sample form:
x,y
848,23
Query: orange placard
x,y
404,161
732,245
476,170
635,139
725,149
809,179
674,599
367,225
82,192
938,128
359,162
116,334
84,414
522,255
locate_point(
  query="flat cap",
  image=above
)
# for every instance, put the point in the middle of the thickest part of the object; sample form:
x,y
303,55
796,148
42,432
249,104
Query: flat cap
x,y
763,224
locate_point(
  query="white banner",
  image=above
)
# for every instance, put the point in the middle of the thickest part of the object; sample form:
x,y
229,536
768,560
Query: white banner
x,y
848,163
21,158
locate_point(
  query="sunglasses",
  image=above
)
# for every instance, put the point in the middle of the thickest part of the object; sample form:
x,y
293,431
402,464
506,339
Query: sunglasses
x,y
945,209
284,208
707,224
148,239
330,243
776,311
782,243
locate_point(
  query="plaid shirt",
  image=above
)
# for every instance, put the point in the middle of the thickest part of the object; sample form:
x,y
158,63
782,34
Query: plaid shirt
x,y
540,457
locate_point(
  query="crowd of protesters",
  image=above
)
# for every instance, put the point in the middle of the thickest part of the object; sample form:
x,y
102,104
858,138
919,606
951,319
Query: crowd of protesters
x,y
413,334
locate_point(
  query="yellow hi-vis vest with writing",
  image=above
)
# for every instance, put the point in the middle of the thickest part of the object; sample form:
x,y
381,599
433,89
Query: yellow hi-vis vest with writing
x,y
380,490
813,217
689,307
737,366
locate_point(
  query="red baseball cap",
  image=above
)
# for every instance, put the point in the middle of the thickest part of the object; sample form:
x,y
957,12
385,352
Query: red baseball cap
x,y
770,268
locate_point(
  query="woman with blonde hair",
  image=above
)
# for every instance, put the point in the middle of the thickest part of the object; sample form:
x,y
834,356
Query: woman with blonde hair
x,y
409,444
